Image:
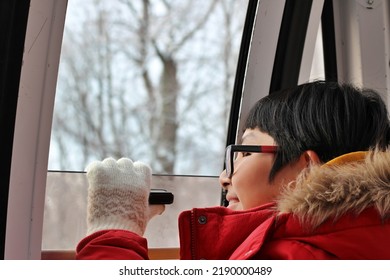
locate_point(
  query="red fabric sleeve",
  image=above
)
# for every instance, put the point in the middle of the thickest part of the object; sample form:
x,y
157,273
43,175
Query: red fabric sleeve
x,y
112,245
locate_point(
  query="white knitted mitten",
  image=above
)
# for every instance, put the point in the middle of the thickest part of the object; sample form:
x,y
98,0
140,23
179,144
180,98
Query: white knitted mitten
x,y
118,195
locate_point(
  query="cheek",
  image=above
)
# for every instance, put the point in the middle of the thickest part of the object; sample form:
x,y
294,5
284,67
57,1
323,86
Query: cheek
x,y
251,185
248,174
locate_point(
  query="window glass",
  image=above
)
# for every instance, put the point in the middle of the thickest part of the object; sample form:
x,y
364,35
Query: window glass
x,y
148,80
66,208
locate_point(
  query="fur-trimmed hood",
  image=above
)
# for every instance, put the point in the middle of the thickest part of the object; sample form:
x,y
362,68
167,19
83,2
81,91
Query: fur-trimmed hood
x,y
350,183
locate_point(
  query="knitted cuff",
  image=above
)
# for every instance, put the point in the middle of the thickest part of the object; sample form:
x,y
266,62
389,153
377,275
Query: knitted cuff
x,y
117,208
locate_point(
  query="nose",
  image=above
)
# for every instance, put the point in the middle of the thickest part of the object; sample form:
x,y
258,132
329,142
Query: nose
x,y
224,180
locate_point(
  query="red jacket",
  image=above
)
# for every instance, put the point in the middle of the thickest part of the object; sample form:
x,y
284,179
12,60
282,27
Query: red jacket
x,y
338,211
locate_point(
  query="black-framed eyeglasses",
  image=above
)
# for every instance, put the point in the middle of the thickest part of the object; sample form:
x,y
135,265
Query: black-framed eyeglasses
x,y
232,150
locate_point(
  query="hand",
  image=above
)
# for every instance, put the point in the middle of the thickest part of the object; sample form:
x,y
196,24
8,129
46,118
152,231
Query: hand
x,y
118,195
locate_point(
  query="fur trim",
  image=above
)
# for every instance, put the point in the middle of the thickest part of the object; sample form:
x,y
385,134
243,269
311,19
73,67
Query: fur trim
x,y
330,191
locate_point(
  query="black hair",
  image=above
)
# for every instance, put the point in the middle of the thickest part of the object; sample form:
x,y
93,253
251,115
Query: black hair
x,y
329,118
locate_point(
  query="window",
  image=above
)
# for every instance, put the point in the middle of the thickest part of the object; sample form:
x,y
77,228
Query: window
x,y
148,80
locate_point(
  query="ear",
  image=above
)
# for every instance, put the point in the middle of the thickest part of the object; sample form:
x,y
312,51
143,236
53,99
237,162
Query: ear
x,y
310,157
306,159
